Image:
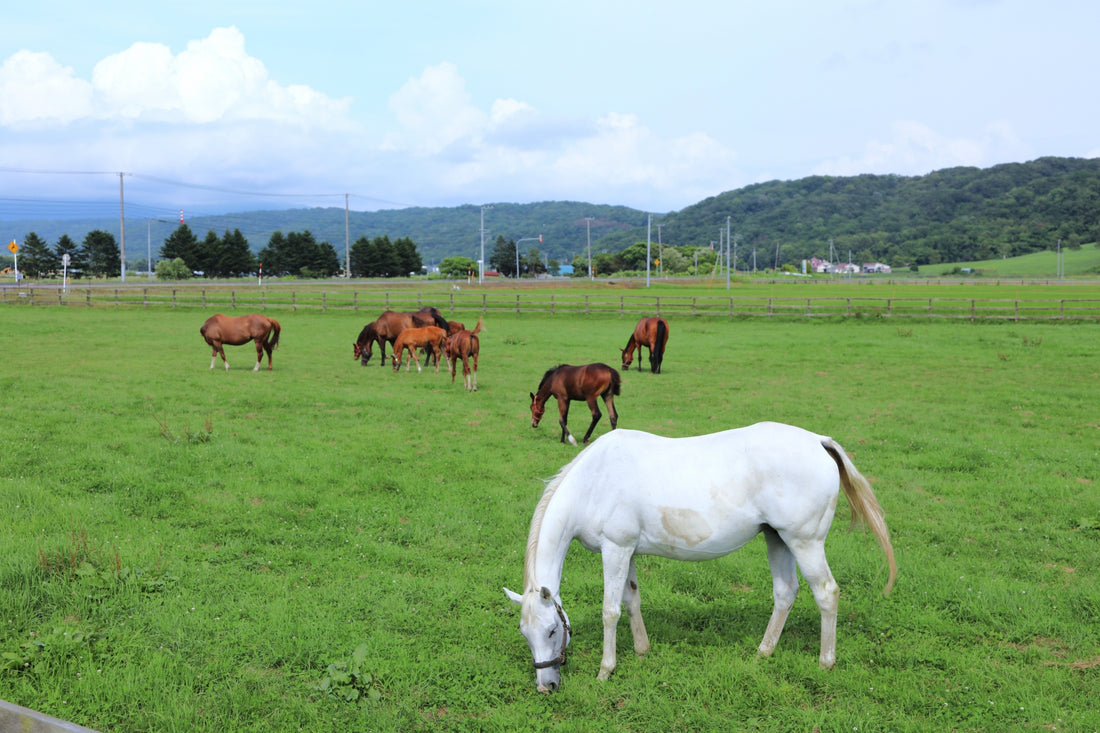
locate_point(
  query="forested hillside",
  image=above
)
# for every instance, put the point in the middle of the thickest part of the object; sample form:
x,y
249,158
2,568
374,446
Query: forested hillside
x,y
951,215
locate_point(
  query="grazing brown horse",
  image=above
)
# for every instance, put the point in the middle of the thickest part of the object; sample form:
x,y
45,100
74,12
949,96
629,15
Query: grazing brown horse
x,y
387,327
577,383
220,329
653,334
464,345
411,339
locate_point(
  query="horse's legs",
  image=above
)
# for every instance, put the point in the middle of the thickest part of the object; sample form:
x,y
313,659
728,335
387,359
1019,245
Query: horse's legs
x,y
596,415
810,555
612,413
473,374
617,562
217,346
259,353
563,413
784,589
633,600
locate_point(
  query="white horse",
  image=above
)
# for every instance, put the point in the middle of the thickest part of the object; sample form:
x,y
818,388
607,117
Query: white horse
x,y
632,493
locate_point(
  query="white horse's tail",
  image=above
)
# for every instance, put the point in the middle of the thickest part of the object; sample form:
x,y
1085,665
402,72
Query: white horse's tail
x,y
864,505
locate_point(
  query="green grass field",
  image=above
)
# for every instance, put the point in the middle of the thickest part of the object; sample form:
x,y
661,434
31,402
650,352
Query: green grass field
x,y
188,550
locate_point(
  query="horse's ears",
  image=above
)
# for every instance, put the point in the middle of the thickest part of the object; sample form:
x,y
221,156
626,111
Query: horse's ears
x,y
515,597
532,396
545,594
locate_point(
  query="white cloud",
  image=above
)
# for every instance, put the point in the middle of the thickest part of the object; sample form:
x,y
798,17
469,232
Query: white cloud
x,y
37,91
914,148
465,148
212,80
434,111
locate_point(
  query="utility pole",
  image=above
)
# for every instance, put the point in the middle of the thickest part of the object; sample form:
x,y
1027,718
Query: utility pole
x,y
347,242
660,253
727,253
481,262
648,237
588,228
122,224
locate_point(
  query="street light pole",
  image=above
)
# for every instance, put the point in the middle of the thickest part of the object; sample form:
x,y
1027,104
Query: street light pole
x,y
525,239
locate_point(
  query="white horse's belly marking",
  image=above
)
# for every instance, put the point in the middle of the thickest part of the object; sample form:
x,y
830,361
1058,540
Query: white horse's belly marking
x,y
685,524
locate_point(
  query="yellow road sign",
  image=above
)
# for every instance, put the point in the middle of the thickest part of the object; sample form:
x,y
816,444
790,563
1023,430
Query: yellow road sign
x,y
13,247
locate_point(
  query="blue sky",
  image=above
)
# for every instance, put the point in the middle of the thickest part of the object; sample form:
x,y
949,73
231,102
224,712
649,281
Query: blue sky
x,y
243,104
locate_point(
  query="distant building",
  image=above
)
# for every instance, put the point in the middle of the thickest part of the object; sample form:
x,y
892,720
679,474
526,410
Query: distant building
x,y
875,267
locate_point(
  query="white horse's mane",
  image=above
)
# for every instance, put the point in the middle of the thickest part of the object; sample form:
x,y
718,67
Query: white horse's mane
x,y
536,524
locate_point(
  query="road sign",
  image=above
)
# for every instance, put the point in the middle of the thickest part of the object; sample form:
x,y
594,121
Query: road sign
x,y
13,247
65,259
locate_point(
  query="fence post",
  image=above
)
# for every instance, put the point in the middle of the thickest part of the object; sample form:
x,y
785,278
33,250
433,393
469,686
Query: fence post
x,y
355,301
586,305
233,299
116,296
324,302
889,306
972,310
88,297
693,311
173,297
551,305
59,300
1016,310
145,297
387,301
484,304
658,307
731,305
847,306
204,300
769,306
452,304
808,301
293,301
517,304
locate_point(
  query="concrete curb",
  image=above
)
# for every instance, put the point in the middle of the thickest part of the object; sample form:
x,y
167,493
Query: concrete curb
x,y
16,719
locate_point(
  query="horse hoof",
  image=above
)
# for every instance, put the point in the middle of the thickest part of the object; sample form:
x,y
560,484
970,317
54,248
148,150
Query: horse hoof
x,y
572,440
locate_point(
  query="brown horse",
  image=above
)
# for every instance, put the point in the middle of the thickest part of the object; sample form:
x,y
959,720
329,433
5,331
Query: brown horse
x,y
577,383
220,329
653,334
464,345
411,339
387,327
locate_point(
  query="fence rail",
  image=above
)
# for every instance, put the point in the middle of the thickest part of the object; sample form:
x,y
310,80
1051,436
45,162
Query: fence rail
x,y
371,302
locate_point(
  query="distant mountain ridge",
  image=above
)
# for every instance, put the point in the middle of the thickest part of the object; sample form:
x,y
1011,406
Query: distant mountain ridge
x,y
954,214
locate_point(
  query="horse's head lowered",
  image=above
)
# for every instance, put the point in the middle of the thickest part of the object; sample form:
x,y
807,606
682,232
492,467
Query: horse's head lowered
x,y
363,351
546,627
538,408
628,358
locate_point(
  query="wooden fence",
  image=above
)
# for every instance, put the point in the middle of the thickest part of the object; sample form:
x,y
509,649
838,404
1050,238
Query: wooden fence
x,y
372,302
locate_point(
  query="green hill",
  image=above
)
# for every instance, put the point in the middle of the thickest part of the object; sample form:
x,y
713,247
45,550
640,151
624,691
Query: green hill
x,y
955,215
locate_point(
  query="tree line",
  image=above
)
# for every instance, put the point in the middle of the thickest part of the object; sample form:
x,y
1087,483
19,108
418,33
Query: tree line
x,y
183,255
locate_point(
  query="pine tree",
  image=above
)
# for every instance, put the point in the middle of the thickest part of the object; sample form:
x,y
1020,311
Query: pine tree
x,y
184,244
104,258
36,259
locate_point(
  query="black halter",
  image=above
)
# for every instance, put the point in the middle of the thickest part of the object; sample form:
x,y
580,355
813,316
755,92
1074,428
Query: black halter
x,y
560,659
